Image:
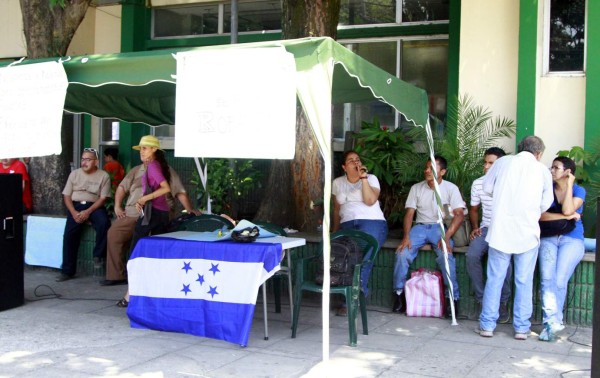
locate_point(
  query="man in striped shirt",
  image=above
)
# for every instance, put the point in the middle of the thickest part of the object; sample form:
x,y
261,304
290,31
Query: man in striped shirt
x,y
478,247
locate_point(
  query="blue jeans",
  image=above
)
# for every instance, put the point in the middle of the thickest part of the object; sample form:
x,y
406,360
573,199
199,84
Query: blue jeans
x,y
377,229
420,235
498,262
558,257
478,247
71,237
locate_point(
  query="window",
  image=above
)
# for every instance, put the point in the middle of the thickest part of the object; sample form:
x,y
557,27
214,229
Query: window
x,y
108,136
421,62
565,36
185,21
265,15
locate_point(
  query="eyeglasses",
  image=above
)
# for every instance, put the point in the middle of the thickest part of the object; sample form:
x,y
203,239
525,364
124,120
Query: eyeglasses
x,y
353,161
92,150
87,160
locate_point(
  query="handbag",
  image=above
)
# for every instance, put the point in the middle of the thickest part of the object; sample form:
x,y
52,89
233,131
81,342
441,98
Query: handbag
x,y
461,236
424,293
557,226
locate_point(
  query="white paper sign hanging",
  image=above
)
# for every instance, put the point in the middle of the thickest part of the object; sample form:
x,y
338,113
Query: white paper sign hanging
x,y
32,98
236,103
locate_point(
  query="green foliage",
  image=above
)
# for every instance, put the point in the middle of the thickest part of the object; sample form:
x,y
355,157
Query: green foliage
x,y
587,173
228,180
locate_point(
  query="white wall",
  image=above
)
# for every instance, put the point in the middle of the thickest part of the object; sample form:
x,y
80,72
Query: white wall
x,y
560,104
99,33
489,56
12,40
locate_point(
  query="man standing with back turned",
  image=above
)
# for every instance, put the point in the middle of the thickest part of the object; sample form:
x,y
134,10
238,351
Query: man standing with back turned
x,y
521,188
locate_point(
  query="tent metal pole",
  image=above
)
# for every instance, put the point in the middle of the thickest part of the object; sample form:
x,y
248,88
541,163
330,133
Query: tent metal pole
x,y
234,21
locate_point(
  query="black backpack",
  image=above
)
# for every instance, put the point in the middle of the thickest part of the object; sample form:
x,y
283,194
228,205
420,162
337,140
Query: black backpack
x,y
345,254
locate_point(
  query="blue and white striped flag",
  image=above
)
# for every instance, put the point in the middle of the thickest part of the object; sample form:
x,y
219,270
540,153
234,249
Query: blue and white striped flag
x,y
206,289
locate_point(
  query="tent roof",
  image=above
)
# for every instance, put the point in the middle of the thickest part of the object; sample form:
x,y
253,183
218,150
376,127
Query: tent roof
x,y
140,87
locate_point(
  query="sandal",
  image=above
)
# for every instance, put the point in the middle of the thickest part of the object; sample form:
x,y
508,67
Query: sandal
x,y
123,303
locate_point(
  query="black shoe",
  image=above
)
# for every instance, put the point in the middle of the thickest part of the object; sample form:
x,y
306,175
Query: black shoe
x,y
112,282
399,303
64,277
97,263
504,313
449,309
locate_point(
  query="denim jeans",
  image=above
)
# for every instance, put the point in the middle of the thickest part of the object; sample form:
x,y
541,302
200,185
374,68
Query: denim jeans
x,y
377,229
478,247
420,235
558,257
72,236
524,266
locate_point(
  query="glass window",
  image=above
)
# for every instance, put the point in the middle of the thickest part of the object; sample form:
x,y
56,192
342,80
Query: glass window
x,y
255,16
186,21
567,35
364,12
424,63
425,10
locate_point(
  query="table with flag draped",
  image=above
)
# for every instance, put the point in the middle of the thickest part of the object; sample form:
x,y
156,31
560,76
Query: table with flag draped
x,y
198,287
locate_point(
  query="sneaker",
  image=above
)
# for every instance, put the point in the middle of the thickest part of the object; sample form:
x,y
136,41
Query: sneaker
x,y
549,332
112,282
521,336
97,263
504,313
399,303
448,313
484,333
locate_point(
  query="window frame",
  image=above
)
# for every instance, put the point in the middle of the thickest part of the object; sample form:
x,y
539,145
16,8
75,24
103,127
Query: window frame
x,y
546,45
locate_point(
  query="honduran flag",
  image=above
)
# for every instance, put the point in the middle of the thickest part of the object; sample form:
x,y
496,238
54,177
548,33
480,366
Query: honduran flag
x,y
206,289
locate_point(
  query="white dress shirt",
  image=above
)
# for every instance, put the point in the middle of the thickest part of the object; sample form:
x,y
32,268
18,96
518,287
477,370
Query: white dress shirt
x,y
521,188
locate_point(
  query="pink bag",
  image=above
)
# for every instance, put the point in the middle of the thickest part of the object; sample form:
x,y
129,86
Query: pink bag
x,y
425,294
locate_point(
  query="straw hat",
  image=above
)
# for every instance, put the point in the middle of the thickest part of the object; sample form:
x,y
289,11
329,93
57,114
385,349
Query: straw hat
x,y
148,141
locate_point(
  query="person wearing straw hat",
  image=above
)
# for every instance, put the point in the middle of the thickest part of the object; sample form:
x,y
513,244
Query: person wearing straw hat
x,y
152,206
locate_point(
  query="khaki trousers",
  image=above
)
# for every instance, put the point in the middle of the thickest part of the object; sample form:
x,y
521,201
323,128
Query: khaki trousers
x,y
118,243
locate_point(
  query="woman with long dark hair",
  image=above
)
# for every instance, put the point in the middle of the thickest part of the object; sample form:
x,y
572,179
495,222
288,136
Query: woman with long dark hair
x,y
152,206
559,254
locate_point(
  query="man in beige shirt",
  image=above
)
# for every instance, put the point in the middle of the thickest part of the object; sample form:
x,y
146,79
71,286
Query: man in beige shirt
x,y
84,195
121,231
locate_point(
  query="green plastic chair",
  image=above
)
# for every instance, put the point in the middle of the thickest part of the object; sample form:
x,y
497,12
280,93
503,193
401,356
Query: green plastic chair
x,y
205,222
285,270
355,298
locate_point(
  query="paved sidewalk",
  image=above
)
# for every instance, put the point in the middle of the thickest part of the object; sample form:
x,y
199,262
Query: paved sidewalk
x,y
84,334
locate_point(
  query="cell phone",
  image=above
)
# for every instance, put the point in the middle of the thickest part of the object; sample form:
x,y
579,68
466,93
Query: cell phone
x,y
142,214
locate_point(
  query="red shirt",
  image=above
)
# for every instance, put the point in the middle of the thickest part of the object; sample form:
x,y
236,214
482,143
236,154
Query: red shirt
x,y
116,172
17,166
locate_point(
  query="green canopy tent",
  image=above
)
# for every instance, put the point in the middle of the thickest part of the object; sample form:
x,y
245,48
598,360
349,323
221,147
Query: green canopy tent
x,y
140,87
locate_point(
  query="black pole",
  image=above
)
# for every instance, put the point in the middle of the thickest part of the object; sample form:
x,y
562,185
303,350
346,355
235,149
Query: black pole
x,y
234,22
596,321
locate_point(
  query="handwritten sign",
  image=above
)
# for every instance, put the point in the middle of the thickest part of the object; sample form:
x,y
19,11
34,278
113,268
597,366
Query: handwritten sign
x,y
236,103
32,98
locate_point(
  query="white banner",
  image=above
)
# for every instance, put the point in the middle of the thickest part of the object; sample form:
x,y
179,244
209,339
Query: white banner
x,y
32,98
236,103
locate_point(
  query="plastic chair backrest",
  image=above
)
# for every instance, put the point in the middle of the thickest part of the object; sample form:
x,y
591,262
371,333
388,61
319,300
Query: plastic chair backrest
x,y
205,222
271,227
365,242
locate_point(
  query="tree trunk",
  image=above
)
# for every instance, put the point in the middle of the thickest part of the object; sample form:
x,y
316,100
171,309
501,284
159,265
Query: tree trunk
x,y
300,18
48,32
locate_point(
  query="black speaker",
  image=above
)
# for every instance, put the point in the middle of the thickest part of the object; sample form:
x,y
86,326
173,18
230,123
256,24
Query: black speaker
x,y
11,241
